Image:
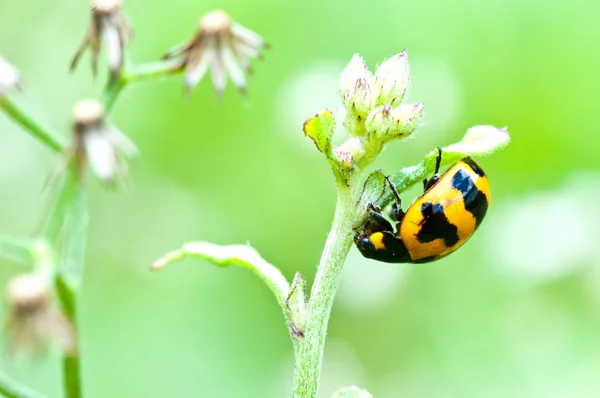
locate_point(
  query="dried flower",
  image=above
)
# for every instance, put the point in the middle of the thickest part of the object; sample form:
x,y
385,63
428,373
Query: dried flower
x,y
221,45
110,25
34,322
9,77
99,143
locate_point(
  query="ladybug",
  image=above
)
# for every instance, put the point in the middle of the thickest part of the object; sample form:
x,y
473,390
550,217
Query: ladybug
x,y
436,224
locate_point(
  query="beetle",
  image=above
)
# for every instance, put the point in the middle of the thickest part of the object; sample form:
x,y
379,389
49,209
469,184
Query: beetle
x,y
438,222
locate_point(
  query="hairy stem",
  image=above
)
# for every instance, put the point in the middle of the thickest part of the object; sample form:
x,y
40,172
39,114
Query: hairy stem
x,y
309,353
29,123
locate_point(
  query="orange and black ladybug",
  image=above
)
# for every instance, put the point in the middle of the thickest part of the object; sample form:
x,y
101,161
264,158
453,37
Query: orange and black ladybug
x,y
436,224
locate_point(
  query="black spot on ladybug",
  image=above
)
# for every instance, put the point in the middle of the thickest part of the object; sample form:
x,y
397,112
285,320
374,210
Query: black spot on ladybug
x,y
435,225
474,166
475,201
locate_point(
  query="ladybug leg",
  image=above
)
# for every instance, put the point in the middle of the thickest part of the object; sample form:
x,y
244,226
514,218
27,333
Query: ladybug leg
x,y
397,212
436,175
438,161
376,222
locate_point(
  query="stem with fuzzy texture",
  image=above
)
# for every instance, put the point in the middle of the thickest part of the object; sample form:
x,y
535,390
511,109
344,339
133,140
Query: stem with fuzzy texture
x,y
40,132
309,353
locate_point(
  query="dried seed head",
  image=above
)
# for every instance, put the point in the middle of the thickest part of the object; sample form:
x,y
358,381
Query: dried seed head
x,y
28,294
220,45
106,6
215,22
88,112
110,28
33,321
99,144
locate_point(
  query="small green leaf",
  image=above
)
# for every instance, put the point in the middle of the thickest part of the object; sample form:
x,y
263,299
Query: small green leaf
x,y
352,392
373,189
320,129
297,305
17,250
240,255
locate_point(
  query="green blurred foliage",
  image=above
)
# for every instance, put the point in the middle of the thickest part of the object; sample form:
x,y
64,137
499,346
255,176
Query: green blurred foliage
x,y
491,320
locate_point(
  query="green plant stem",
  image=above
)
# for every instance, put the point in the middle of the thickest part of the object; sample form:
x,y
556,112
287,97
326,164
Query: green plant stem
x,y
71,379
309,351
135,73
66,228
40,132
11,388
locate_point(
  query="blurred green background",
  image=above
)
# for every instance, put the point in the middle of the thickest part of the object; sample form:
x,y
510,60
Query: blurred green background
x,y
515,313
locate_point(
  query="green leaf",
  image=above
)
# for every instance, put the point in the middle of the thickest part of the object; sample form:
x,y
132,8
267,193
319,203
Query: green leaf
x,y
478,141
320,129
17,250
297,303
373,190
240,255
352,392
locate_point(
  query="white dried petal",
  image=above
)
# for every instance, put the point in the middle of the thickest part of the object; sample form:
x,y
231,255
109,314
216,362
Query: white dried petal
x,y
101,154
121,142
235,72
247,36
198,64
113,43
9,77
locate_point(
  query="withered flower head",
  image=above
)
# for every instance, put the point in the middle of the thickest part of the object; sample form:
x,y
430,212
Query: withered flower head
x,y
98,143
109,25
33,321
221,45
9,77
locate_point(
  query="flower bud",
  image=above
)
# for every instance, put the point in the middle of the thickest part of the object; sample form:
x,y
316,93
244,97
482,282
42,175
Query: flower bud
x,y
27,294
351,150
387,123
391,80
355,88
9,77
296,304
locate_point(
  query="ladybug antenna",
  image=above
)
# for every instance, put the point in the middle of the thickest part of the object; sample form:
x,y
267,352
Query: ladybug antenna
x,y
438,160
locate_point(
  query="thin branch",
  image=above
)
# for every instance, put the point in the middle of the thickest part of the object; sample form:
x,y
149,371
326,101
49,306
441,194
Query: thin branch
x,y
11,388
30,124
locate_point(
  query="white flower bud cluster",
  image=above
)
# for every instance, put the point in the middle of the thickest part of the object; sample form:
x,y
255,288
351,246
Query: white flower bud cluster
x,y
375,113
